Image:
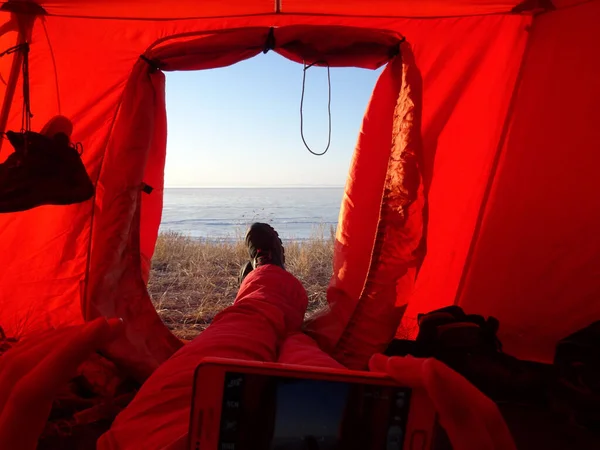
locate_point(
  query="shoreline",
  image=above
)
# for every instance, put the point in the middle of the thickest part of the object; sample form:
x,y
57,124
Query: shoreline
x,y
231,239
253,187
320,231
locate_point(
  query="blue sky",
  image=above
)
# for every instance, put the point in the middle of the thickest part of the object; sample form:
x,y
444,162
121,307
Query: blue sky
x,y
240,125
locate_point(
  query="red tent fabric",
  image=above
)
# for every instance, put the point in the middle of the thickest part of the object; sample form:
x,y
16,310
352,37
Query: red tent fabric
x,y
184,9
537,241
508,129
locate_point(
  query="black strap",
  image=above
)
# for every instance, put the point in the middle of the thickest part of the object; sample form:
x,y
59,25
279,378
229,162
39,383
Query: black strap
x,y
27,114
270,41
533,6
153,63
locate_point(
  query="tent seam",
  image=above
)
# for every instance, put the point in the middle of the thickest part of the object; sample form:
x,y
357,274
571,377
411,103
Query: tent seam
x,y
43,21
306,14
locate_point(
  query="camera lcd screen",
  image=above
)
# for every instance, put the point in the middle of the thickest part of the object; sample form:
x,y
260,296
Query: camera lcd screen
x,y
280,413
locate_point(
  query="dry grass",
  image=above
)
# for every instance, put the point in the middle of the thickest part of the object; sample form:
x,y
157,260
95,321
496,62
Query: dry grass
x,y
192,280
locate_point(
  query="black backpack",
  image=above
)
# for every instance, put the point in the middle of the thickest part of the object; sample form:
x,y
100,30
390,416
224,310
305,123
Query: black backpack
x,y
577,387
468,344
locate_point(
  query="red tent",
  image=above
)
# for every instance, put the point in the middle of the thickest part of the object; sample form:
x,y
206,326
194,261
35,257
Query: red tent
x,y
501,98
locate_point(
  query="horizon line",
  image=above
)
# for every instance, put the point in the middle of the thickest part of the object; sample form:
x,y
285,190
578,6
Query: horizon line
x,y
259,187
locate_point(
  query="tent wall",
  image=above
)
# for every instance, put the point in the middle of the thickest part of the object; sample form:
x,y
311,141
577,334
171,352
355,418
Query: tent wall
x,y
45,251
55,260
115,265
469,70
536,262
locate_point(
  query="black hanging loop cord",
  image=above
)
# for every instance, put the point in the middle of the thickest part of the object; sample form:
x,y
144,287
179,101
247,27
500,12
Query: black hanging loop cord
x,y
328,108
27,114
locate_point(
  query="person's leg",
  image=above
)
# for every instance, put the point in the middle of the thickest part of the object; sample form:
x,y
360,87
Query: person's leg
x,y
270,305
300,349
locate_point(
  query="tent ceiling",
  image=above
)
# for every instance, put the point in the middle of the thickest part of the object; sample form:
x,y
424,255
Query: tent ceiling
x,y
185,9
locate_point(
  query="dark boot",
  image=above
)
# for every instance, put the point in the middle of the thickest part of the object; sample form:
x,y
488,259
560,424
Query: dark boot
x,y
43,170
264,247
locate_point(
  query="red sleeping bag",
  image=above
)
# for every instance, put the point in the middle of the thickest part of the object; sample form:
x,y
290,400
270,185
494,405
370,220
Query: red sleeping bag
x,y
263,324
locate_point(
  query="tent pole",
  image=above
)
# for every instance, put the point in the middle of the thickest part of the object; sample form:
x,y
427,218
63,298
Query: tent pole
x,y
11,86
24,24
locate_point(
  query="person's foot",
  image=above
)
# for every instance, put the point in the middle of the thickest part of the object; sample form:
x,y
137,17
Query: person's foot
x,y
264,247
